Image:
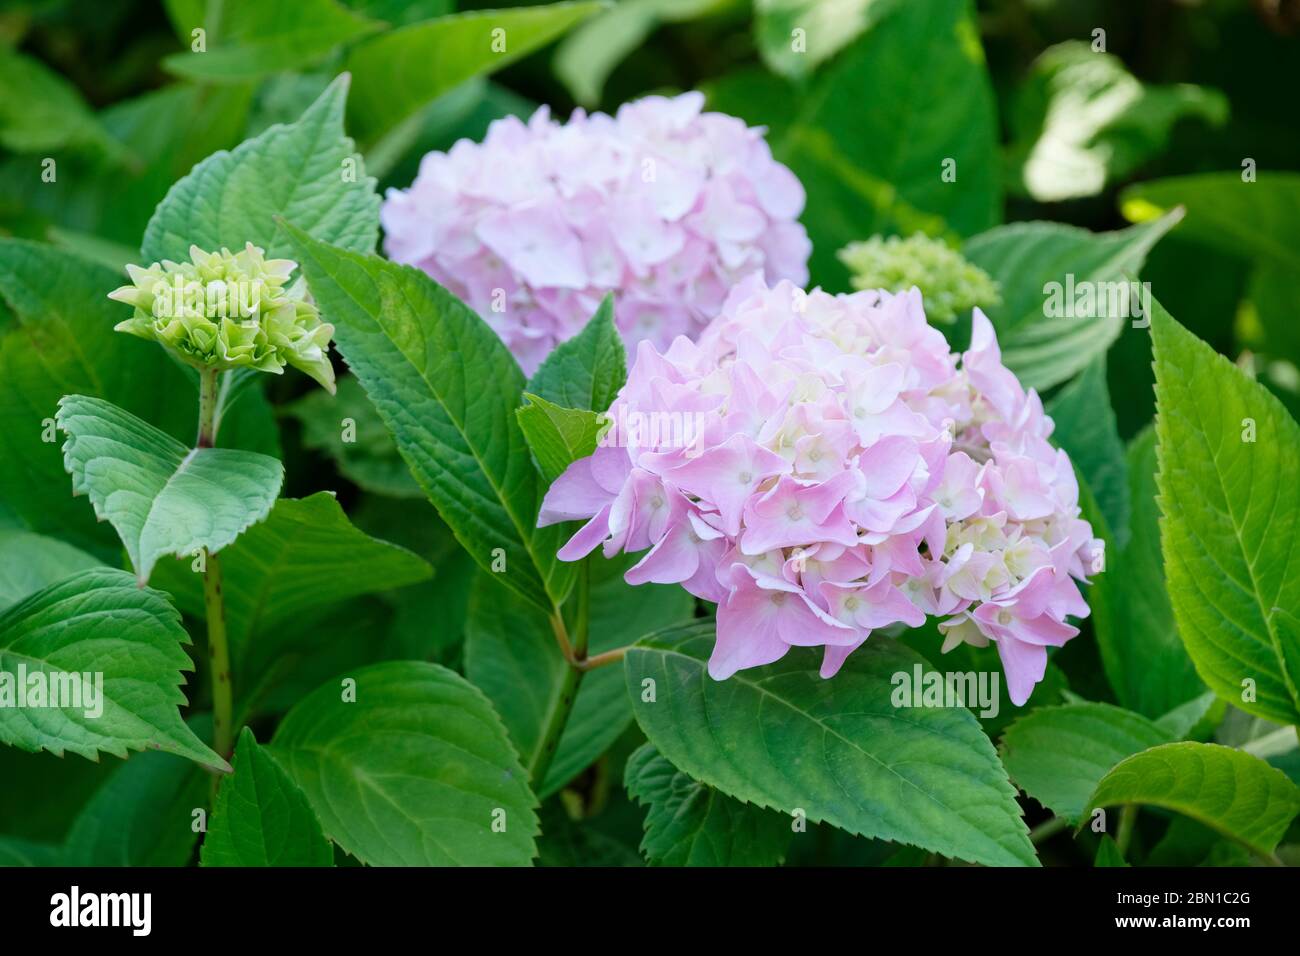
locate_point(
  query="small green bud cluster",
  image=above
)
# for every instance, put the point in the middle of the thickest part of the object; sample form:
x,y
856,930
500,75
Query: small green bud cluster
x,y
949,284
224,310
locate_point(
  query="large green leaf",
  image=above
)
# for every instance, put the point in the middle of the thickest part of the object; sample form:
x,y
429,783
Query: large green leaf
x,y
417,771
1145,660
883,169
510,652
1024,258
29,562
1085,427
143,815
1229,454
291,570
64,343
40,111
1257,220
689,824
99,623
1082,120
447,388
403,70
1230,791
162,497
255,39
262,818
782,737
306,172
1058,755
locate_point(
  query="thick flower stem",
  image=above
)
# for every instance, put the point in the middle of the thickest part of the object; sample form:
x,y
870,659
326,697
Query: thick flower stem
x,y
223,699
223,729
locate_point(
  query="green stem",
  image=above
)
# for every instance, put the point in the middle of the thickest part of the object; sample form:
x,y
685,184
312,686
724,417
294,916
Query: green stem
x,y
1047,829
574,652
223,699
1127,819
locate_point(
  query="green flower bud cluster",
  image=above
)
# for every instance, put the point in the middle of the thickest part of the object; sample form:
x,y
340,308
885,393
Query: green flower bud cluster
x,y
223,311
949,284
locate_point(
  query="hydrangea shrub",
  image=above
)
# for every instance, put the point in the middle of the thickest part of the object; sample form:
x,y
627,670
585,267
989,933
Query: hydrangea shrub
x,y
660,502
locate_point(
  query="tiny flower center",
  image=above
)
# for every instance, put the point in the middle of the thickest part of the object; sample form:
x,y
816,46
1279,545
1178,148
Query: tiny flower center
x,y
794,512
746,477
1004,618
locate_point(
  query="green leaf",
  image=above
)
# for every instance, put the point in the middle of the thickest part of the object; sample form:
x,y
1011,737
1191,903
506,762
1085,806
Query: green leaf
x,y
1145,660
299,171
166,132
689,824
1229,454
289,571
1188,843
29,562
1108,854
586,371
262,818
143,815
255,39
64,343
1230,791
40,111
399,13
403,70
557,436
415,772
370,460
98,622
1082,120
1057,755
589,54
426,362
1085,428
510,653
1274,294
781,737
162,497
826,29
15,851
1187,719
1258,221
922,70
65,784
1025,257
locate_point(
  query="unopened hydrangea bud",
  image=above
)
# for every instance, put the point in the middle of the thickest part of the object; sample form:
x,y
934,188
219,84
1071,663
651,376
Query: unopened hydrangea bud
x,y
949,283
224,310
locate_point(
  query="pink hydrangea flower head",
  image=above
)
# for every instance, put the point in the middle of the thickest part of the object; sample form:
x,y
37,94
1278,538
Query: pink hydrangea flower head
x,y
663,204
823,467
